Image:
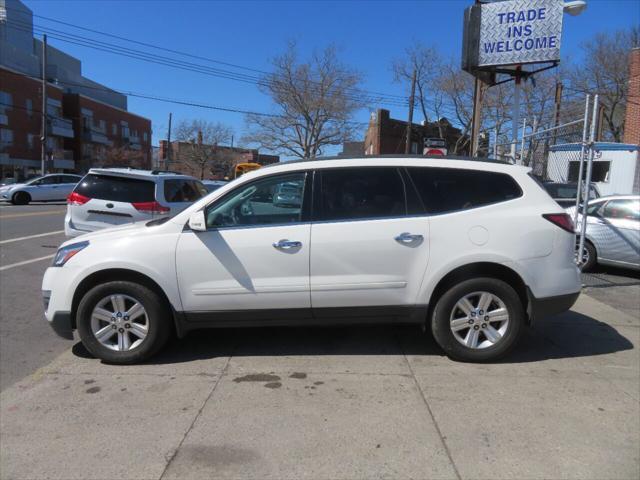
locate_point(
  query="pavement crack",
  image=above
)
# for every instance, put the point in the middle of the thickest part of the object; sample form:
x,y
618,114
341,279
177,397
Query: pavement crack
x,y
433,418
195,419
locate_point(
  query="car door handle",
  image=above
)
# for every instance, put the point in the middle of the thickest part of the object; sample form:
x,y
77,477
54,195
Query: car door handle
x,y
287,244
406,237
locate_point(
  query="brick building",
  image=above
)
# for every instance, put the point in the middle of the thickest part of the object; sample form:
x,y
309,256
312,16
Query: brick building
x,y
87,123
632,116
222,159
386,135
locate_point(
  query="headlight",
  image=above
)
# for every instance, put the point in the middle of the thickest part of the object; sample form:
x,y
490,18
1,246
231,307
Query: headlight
x,y
64,254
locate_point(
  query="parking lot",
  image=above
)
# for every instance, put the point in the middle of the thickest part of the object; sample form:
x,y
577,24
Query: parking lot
x,y
331,403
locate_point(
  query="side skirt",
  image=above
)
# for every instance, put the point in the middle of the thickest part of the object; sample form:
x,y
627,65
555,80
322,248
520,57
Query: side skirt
x,y
187,321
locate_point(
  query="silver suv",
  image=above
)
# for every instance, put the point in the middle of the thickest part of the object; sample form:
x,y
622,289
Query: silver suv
x,y
106,197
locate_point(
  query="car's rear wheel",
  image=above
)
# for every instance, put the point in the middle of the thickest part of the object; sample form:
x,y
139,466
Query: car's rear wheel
x,y
478,320
21,198
589,257
123,322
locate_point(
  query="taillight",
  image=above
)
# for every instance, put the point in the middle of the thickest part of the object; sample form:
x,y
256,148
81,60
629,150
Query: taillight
x,y
75,198
562,220
150,207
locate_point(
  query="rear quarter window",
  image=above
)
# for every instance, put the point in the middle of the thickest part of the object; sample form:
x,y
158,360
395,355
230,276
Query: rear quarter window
x,y
183,190
445,190
116,189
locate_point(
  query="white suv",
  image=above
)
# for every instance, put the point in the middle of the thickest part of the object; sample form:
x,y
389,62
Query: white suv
x,y
114,196
473,250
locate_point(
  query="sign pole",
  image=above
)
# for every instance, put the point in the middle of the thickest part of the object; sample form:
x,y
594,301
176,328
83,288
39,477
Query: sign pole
x,y
516,114
579,193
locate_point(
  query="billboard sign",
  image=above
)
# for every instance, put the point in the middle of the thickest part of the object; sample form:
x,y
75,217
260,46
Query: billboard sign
x,y
512,32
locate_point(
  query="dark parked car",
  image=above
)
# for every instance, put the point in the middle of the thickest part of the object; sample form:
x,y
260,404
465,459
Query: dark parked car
x,y
565,193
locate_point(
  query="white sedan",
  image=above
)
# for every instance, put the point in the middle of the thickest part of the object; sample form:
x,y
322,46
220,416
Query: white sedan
x,y
48,188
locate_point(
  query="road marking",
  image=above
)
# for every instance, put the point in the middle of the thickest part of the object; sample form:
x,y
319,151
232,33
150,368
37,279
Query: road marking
x,y
11,240
31,214
26,262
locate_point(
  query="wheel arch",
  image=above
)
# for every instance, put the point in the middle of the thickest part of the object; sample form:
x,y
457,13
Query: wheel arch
x,y
479,269
118,274
23,192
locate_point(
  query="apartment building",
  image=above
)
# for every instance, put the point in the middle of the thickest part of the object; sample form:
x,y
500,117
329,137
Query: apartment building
x,y
87,123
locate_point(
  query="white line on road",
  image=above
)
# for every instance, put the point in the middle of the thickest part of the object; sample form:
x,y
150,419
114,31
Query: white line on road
x,y
33,260
11,240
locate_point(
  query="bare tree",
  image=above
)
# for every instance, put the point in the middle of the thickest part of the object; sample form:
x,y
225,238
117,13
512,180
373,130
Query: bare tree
x,y
315,103
199,140
123,155
605,70
427,64
456,88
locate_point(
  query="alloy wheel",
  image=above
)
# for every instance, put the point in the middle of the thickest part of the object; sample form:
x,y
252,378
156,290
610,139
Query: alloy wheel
x,y
119,322
479,320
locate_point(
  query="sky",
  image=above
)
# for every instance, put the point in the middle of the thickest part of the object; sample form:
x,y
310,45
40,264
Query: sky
x,y
368,35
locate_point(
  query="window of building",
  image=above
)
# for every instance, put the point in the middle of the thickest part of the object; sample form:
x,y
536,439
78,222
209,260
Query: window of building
x,y
145,136
361,193
448,190
29,106
274,200
102,125
6,137
6,102
114,129
414,147
600,171
31,141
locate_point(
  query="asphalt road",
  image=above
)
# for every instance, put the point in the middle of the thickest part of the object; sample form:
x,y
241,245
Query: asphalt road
x,y
29,236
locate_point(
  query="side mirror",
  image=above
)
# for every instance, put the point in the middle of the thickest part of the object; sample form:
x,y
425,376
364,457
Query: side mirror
x,y
197,222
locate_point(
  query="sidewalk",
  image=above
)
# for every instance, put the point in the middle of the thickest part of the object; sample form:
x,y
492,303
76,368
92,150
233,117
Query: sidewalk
x,y
338,403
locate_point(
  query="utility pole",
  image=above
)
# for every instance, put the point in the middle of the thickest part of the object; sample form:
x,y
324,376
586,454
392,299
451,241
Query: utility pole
x,y
600,125
168,160
43,136
476,115
556,109
407,145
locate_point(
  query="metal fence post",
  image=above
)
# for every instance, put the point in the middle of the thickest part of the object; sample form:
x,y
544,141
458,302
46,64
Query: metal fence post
x,y
524,128
581,165
592,136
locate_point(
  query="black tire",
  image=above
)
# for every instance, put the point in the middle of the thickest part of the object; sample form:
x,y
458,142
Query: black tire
x,y
21,198
440,322
158,315
592,257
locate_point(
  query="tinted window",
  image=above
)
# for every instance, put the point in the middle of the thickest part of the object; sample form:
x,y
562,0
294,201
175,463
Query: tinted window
x,y
70,179
273,200
359,193
51,180
449,190
117,189
625,209
183,190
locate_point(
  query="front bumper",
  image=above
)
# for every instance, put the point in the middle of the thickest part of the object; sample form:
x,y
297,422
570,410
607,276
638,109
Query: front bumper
x,y
61,324
540,308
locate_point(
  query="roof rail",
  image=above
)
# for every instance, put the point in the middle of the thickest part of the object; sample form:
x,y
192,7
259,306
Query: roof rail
x,y
165,172
395,155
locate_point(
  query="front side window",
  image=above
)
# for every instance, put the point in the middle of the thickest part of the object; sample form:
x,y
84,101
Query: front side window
x,y
183,190
449,190
273,200
622,209
361,193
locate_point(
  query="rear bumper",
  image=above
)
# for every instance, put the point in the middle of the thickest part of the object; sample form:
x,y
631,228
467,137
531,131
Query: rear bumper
x,y
540,308
61,324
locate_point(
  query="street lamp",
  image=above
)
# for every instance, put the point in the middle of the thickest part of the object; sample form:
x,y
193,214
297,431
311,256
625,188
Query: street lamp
x,y
575,7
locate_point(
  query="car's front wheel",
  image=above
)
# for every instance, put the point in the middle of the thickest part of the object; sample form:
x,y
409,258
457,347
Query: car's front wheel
x,y
21,198
478,320
123,322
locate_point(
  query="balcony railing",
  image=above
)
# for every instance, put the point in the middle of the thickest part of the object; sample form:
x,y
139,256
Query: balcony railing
x,y
60,127
96,136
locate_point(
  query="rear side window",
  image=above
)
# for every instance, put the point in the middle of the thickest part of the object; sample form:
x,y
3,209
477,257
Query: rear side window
x,y
361,193
117,189
449,190
183,190
622,209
